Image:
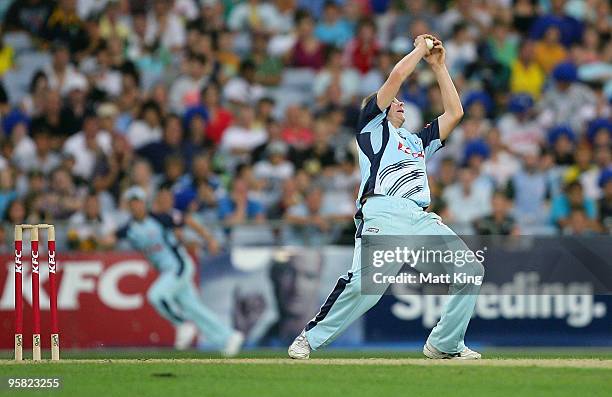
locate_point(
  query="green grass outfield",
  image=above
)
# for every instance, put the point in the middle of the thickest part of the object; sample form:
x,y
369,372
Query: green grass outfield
x,y
576,373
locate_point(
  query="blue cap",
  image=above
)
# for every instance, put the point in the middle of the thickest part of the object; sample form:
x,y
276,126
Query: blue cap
x,y
479,96
556,132
477,147
135,193
565,72
520,103
596,125
605,177
194,112
13,118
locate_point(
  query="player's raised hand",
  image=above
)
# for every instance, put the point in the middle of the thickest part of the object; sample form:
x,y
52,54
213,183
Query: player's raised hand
x,y
420,42
437,55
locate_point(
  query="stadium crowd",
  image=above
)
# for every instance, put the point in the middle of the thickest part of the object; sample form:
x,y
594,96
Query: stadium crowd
x,y
245,112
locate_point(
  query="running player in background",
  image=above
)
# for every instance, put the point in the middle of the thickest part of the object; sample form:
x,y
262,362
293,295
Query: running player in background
x,y
394,193
173,294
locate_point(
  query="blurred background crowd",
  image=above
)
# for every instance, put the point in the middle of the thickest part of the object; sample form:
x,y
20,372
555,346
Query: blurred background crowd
x,y
242,114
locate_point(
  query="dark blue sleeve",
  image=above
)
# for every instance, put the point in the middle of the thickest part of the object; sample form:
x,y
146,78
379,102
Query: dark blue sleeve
x,y
369,111
121,233
430,133
171,220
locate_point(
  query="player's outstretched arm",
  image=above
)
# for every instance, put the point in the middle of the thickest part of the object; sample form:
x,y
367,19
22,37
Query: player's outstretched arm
x,y
401,71
453,111
213,245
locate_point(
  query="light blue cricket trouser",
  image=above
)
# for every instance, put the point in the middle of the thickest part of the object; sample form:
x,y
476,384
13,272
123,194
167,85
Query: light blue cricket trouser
x,y
387,215
176,298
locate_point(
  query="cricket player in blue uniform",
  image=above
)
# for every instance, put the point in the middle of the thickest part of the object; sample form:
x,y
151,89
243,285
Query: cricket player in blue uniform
x,y
173,294
393,194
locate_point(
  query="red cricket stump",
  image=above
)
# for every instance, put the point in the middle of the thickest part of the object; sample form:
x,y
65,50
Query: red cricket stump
x,y
36,356
35,256
18,294
55,350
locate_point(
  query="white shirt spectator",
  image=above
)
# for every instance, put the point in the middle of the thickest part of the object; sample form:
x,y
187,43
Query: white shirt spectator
x,y
238,89
85,157
458,55
520,136
269,18
501,167
240,138
349,83
140,134
72,79
185,92
466,208
173,35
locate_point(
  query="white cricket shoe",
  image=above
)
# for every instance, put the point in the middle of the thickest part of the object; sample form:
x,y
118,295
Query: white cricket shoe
x,y
233,345
300,348
467,354
184,335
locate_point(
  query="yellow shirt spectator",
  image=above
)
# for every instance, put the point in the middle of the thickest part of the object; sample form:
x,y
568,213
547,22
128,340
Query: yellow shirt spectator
x,y
6,59
527,78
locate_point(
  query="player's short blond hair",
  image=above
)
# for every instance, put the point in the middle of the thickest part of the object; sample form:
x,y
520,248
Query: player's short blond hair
x,y
367,99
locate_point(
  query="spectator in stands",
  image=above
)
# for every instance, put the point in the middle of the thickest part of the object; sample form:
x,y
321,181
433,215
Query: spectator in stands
x,y
605,202
562,139
501,164
7,189
579,223
174,172
65,25
297,131
60,73
569,29
583,171
43,158
219,118
148,127
549,51
519,130
466,200
185,90
242,137
243,87
500,221
237,208
311,222
141,175
333,29
529,189
268,68
172,143
27,15
63,198
362,50
275,169
320,157
308,51
34,102
502,44
526,75
86,226
254,16
335,72
460,50
87,145
572,198
566,93
164,28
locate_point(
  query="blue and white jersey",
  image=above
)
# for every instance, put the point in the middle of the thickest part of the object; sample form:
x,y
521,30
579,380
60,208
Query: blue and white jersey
x,y
154,237
392,160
